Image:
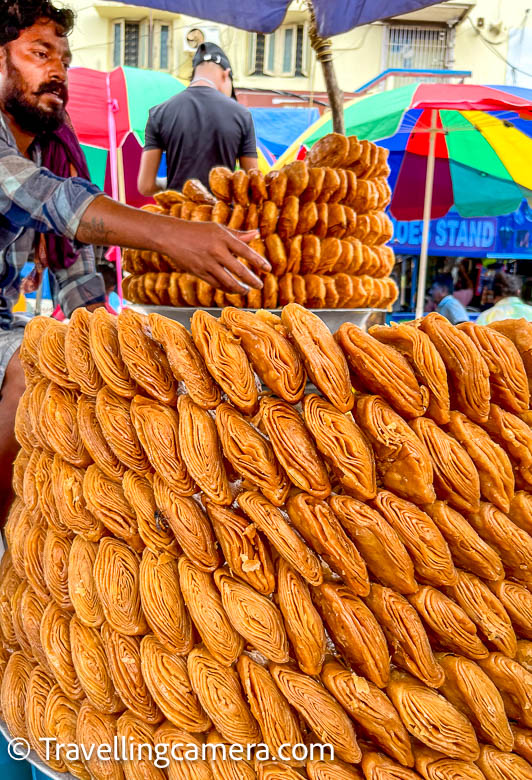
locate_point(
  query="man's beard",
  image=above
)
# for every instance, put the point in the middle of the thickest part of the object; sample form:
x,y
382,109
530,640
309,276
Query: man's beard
x,y
28,115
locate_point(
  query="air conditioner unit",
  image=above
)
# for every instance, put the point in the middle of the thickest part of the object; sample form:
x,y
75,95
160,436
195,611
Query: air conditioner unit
x,y
200,33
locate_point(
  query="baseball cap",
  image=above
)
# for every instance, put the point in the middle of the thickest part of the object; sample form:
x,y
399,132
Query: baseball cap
x,y
210,52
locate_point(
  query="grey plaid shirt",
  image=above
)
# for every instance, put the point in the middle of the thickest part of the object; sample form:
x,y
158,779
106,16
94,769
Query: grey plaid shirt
x,y
34,200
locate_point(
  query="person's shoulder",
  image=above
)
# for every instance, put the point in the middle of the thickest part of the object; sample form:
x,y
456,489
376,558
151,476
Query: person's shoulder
x,y
170,104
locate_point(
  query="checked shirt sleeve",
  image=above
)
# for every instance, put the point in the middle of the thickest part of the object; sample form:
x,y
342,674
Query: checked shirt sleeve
x,y
79,284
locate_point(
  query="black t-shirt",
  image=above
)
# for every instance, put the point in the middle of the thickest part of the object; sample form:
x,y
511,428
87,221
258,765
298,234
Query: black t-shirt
x,y
199,129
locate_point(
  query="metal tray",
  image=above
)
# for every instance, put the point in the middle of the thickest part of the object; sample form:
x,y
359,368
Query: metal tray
x,y
333,318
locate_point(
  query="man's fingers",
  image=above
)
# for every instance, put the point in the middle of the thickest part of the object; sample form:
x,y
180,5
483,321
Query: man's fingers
x,y
241,272
237,243
229,283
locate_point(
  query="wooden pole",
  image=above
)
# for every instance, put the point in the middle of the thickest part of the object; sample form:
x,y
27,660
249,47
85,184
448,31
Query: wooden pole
x,y
323,49
427,209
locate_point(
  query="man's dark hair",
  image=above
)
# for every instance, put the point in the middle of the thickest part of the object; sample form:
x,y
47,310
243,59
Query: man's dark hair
x,y
506,285
444,280
18,15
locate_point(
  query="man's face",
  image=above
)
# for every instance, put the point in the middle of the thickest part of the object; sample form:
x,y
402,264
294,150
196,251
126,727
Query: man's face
x,y
33,78
437,293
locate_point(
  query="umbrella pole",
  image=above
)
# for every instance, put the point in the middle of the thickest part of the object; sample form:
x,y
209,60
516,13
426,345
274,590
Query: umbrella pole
x,y
427,208
112,106
323,49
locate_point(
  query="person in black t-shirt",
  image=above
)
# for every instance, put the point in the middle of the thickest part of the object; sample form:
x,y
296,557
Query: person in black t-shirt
x,y
199,128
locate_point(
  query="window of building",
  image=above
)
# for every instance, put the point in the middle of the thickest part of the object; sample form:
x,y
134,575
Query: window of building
x,y
140,45
164,47
283,53
420,47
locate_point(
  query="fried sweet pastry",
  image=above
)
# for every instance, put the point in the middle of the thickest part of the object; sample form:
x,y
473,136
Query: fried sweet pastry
x,y
383,370
81,368
466,368
251,454
277,721
524,654
492,463
13,694
35,401
318,525
19,467
105,349
343,446
472,692
314,187
370,708
180,744
277,255
302,622
512,543
163,604
90,662
319,710
195,191
331,150
59,421
324,361
254,616
272,356
288,218
18,626
17,536
520,511
220,183
97,728
67,485
486,612
425,543
377,766
81,585
117,576
152,525
157,427
448,623
31,612
60,719
456,478
29,349
185,361
520,333
241,188
39,686
218,689
377,541
435,766
432,719
94,440
515,684
55,568
515,436
517,600
52,363
55,642
23,427
405,634
114,415
403,463
281,535
106,501
297,176
225,360
133,731
8,585
355,631
29,487
33,560
223,767
276,183
498,765
522,742
243,548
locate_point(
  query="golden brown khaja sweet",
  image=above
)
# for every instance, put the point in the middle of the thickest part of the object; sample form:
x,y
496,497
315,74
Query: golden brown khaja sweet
x,y
116,574
9,583
52,363
524,654
124,659
486,612
144,358
246,552
355,631
185,361
60,720
426,361
456,478
23,427
35,402
201,451
167,678
332,769
522,741
218,689
254,616
406,635
343,445
55,641
94,440
324,360
301,619
517,600
377,766
447,622
31,612
382,550
39,686
19,467
29,349
319,710
157,427
250,454
515,436
226,360
294,447
105,349
520,511
163,604
519,332
67,485
382,370
91,665
420,535
204,603
18,626
318,525
33,561
81,368
466,368
272,356
472,692
29,487
97,728
178,741
114,416
134,731
403,462
189,524
493,464
515,684
329,151
429,717
512,543
18,540
55,568
498,765
106,500
435,766
81,585
153,527
369,707
278,722
58,419
13,693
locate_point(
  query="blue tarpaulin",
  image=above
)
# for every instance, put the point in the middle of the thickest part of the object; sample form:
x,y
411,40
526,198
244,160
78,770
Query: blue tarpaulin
x,y
333,16
278,128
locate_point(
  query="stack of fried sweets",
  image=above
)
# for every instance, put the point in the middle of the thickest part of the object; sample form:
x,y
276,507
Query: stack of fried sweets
x,y
204,549
322,226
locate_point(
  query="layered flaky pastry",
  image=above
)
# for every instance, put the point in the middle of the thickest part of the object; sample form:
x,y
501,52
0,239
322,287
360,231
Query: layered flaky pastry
x,y
105,349
133,730
178,741
512,543
23,425
59,421
117,577
91,665
52,363
524,654
36,398
13,693
97,728
520,511
40,684
153,527
520,333
515,684
517,600
522,742
29,349
106,501
31,612
515,436
18,625
55,568
94,440
9,582
435,766
45,489
60,721
377,766
55,641
498,765
34,560
67,486
81,368
114,415
81,585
